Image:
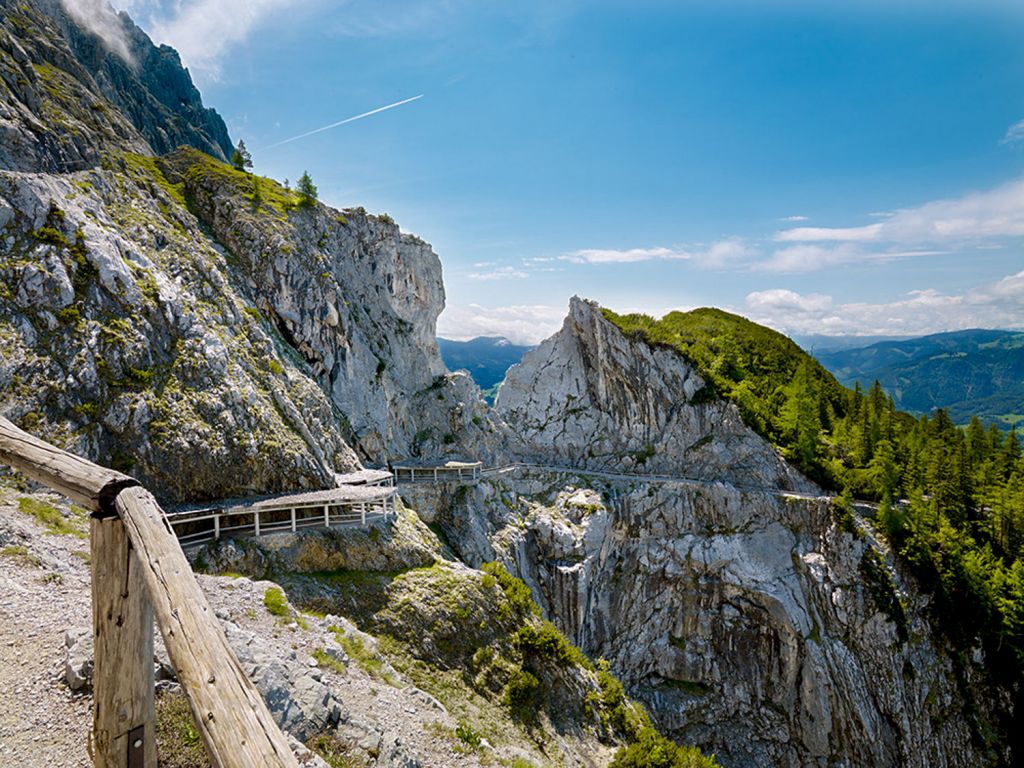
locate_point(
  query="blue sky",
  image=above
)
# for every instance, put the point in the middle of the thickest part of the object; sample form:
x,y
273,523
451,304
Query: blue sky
x,y
841,167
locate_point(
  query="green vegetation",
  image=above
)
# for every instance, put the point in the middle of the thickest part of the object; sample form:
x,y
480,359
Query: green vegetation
x,y
52,230
782,393
518,600
146,170
546,642
465,733
336,751
369,661
202,174
240,158
49,516
651,750
21,555
178,741
306,190
961,526
325,660
969,373
276,603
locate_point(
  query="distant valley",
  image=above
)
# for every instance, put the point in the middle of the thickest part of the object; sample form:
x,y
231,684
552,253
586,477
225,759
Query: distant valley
x,y
973,372
487,358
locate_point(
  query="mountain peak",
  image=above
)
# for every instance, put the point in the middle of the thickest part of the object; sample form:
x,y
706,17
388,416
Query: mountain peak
x,y
77,81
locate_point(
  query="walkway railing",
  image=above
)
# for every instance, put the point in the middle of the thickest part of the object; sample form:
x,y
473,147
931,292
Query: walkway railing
x,y
349,505
139,572
453,471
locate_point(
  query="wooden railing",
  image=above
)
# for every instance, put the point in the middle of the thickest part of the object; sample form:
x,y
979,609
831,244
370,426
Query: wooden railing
x,y
140,572
458,472
291,514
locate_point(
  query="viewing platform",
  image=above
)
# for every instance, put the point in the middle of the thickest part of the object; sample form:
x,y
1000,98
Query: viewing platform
x,y
348,505
450,472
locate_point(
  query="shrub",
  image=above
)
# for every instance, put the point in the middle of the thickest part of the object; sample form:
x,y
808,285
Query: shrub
x,y
652,750
546,642
522,694
276,603
519,602
467,735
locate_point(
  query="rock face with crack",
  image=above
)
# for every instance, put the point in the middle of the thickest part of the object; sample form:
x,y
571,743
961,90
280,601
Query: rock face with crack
x,y
190,323
591,398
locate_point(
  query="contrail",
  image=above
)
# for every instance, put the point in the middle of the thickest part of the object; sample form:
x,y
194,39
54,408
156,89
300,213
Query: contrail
x,y
346,120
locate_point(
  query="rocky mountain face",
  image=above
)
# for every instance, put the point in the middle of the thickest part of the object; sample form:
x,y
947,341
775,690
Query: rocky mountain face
x,y
591,398
68,94
764,628
753,614
187,322
200,328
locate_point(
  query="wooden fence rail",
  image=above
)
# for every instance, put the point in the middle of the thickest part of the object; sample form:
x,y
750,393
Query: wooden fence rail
x,y
139,571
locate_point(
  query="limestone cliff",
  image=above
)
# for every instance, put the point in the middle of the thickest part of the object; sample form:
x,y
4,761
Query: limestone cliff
x,y
67,94
187,322
766,629
751,613
589,397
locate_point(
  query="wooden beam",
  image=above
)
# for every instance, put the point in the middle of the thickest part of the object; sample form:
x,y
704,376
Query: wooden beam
x,y
234,721
92,486
124,720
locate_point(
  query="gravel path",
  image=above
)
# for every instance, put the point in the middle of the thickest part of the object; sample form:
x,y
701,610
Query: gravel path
x,y
45,591
42,593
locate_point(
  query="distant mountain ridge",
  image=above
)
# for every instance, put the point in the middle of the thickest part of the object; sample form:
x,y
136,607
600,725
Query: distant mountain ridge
x,y
973,372
487,358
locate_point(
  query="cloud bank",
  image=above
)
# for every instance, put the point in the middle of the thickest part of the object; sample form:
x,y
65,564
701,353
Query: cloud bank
x,y
99,18
994,305
976,221
520,324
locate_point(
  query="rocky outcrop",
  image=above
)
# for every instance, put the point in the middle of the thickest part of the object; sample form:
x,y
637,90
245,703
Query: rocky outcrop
x,y
358,300
127,339
68,94
592,398
762,628
184,321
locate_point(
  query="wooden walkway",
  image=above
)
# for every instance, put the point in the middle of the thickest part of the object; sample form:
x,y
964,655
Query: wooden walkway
x,y
450,472
344,506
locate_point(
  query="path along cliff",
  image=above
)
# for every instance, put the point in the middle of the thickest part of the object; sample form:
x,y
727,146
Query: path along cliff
x,y
198,327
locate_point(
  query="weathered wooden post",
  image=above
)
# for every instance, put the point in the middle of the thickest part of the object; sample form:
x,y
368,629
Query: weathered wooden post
x,y
140,571
124,720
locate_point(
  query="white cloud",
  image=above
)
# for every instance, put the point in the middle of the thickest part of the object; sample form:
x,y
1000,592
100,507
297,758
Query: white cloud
x,y
782,300
202,31
985,215
830,234
520,324
1014,133
611,256
995,305
719,254
810,257
793,218
99,18
501,273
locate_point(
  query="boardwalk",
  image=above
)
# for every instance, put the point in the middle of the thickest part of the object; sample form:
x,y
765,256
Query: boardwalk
x,y
347,505
369,495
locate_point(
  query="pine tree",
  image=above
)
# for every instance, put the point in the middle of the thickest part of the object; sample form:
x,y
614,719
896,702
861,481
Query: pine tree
x,y
307,190
241,158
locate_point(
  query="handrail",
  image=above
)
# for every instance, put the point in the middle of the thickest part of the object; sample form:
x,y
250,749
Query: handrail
x,y
139,570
